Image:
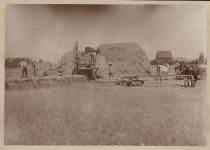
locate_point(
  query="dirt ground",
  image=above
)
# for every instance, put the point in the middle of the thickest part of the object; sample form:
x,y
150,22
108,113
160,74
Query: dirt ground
x,y
99,113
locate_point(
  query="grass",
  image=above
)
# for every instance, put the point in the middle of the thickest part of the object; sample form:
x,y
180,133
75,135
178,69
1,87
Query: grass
x,y
96,114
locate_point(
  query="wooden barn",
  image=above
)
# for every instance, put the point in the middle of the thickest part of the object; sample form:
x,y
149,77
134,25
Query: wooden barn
x,y
162,57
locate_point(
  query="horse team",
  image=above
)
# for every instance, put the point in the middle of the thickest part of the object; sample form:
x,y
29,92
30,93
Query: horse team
x,y
190,71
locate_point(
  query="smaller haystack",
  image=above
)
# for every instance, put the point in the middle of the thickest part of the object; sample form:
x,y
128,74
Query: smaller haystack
x,y
67,61
40,82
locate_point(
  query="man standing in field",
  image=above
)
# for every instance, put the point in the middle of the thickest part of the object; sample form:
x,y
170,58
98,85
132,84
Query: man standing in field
x,y
110,71
24,67
76,46
76,59
158,74
60,70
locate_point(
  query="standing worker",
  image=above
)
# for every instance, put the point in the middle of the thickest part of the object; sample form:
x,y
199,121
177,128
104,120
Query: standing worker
x,y
158,69
158,74
24,67
76,46
110,71
34,66
60,70
76,59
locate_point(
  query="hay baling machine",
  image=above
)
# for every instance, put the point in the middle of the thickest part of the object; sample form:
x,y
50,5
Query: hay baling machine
x,y
88,68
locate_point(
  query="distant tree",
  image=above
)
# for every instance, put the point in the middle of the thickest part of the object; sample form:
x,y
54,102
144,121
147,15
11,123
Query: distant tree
x,y
11,62
205,62
40,61
194,61
197,61
7,62
201,58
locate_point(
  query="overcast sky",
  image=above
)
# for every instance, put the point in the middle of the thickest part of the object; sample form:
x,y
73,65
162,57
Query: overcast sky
x,y
49,31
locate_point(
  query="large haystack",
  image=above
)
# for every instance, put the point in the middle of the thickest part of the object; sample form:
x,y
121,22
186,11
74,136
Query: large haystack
x,y
126,58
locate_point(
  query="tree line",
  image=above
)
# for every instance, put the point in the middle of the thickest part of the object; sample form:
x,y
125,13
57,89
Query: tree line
x,y
200,60
11,62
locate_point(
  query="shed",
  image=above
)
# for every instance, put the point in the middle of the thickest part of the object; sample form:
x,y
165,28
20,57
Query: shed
x,y
163,57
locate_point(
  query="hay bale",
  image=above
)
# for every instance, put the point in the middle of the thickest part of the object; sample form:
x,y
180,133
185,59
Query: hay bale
x,y
126,58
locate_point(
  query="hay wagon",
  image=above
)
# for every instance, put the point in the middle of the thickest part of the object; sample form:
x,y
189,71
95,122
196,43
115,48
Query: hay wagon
x,y
131,81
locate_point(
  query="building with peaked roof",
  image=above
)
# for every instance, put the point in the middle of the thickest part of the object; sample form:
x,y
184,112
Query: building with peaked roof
x,y
162,57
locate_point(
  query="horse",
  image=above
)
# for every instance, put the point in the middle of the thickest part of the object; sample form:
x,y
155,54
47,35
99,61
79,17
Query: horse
x,y
164,69
199,69
184,69
176,67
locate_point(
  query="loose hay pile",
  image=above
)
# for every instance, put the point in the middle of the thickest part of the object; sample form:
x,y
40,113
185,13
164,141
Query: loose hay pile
x,y
38,82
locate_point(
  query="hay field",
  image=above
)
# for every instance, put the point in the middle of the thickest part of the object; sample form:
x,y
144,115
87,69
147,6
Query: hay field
x,y
93,113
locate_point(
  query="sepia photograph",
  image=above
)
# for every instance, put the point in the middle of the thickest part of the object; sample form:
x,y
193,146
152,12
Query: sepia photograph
x,y
106,74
